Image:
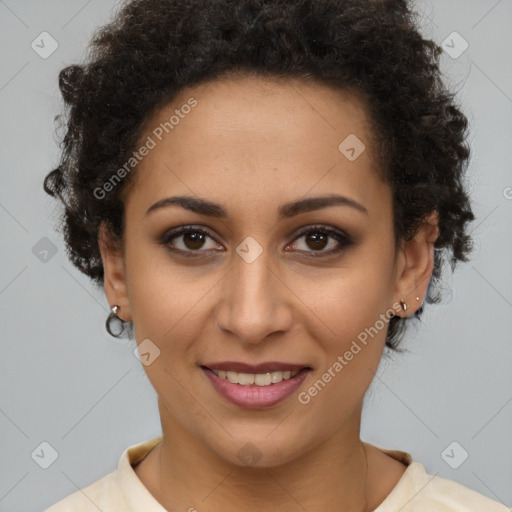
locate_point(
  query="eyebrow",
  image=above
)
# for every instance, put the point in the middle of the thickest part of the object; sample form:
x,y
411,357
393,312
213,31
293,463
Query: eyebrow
x,y
211,209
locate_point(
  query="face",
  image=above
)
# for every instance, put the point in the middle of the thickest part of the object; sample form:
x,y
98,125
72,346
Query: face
x,y
264,274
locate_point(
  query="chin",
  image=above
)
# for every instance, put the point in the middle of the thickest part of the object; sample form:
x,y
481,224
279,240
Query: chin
x,y
258,450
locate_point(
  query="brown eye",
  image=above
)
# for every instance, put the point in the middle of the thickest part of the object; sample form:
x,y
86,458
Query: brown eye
x,y
189,241
316,239
193,240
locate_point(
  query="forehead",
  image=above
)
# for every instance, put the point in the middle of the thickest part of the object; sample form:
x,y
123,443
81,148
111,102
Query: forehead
x,y
258,139
252,110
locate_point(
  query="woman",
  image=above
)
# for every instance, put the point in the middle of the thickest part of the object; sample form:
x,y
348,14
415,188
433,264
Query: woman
x,y
267,191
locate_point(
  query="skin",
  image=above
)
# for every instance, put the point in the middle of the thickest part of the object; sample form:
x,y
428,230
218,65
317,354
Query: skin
x,y
251,145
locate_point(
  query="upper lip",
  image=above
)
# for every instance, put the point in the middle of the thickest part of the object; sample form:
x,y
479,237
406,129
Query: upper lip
x,y
271,366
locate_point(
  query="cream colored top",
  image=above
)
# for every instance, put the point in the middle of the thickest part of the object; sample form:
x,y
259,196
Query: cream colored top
x,y
416,491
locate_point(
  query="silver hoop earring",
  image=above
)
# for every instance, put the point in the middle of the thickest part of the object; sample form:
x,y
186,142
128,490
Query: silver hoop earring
x,y
113,316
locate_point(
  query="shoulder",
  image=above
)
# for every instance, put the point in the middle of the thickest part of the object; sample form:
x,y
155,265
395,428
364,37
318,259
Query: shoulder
x,y
418,491
118,491
450,496
104,495
415,490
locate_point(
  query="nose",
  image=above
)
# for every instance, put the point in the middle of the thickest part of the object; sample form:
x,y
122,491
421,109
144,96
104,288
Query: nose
x,y
254,302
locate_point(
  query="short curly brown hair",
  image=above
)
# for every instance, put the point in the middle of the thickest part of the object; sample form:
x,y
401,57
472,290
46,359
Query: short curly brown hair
x,y
154,48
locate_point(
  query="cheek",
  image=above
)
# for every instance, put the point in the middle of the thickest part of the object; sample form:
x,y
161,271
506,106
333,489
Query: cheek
x,y
347,300
162,294
351,353
165,304
352,312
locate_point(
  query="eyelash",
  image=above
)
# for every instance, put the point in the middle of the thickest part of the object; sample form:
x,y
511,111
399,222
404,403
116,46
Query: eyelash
x,y
342,238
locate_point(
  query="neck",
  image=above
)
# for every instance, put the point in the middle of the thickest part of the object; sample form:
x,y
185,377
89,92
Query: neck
x,y
190,476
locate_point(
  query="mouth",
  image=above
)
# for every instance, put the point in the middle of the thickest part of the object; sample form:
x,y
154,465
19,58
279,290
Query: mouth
x,y
264,374
258,379
255,386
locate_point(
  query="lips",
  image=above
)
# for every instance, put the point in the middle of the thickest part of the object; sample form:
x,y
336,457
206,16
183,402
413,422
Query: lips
x,y
271,366
255,386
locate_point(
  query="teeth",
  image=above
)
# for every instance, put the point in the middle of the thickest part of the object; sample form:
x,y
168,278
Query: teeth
x,y
260,379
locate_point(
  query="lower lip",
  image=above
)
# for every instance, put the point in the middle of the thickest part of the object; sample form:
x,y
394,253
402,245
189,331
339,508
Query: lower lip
x,y
256,396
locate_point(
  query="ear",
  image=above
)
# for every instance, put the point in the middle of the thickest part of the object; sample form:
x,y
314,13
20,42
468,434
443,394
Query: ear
x,y
114,280
415,265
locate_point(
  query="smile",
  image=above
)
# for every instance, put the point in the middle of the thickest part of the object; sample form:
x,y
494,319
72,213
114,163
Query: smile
x,y
257,379
255,390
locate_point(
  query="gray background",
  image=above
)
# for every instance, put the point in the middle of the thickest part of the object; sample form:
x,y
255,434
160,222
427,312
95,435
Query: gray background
x,y
66,382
